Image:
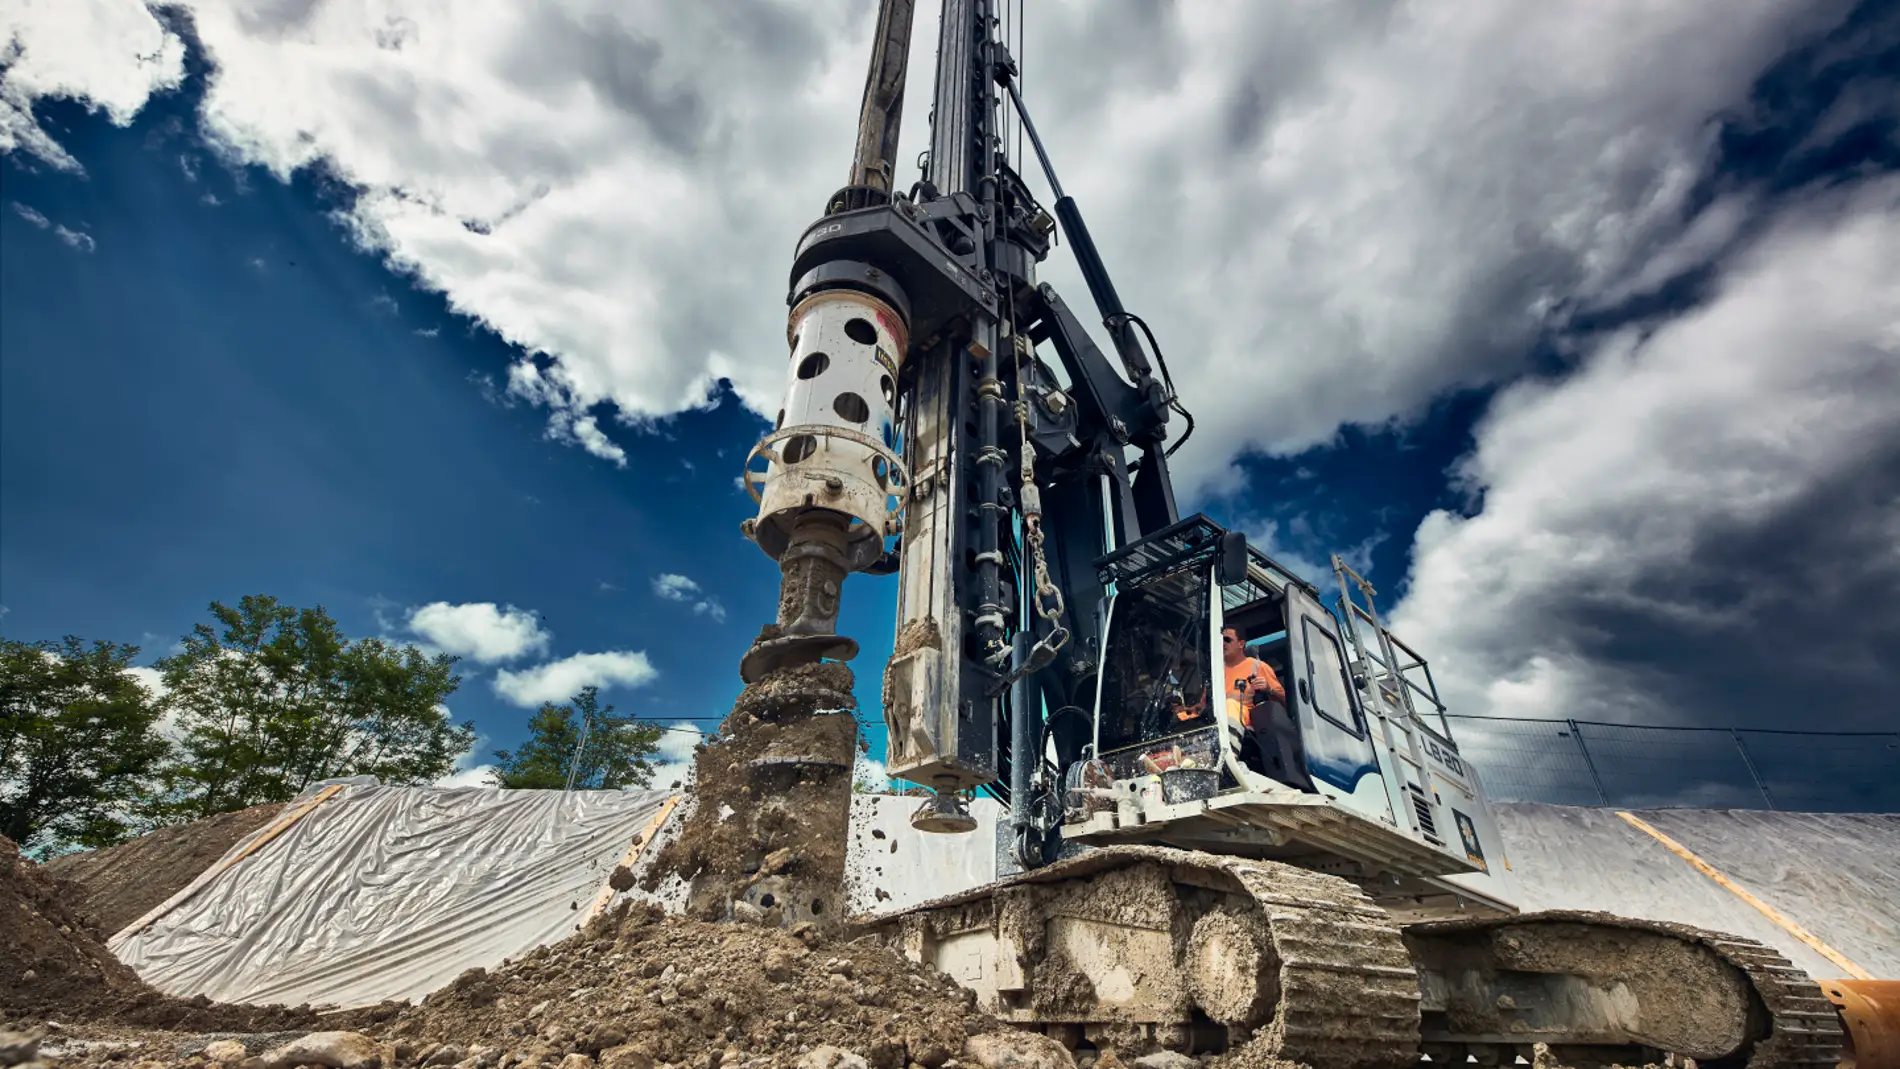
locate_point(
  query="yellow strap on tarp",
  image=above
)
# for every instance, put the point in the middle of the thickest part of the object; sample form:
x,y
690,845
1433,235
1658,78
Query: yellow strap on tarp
x,y
283,823
1742,893
640,842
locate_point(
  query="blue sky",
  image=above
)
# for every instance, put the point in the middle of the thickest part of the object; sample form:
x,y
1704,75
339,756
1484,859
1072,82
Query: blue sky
x,y
218,395
1576,332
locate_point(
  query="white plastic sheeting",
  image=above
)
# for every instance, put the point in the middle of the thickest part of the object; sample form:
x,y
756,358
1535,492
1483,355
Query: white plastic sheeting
x,y
1837,875
889,865
391,892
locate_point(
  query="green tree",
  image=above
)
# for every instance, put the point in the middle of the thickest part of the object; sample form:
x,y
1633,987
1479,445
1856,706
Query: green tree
x,y
276,698
616,753
79,742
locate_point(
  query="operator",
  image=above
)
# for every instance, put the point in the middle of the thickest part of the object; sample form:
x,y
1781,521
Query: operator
x,y
1257,700
1249,680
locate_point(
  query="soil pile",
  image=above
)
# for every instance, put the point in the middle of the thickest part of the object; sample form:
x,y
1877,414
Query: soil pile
x,y
638,988
122,883
51,966
47,957
765,838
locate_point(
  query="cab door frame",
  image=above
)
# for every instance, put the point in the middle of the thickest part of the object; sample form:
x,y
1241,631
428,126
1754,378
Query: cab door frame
x,y
1341,751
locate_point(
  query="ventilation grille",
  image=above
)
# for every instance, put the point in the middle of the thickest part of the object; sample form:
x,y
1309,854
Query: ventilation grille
x,y
1423,809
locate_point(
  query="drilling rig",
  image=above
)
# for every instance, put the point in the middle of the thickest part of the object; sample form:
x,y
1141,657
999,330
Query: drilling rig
x,y
1327,886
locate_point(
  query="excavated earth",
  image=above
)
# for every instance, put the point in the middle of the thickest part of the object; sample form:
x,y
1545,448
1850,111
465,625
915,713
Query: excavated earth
x,y
771,806
52,968
122,883
639,988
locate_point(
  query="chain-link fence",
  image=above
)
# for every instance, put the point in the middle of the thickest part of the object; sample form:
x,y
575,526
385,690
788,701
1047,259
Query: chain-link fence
x,y
1584,762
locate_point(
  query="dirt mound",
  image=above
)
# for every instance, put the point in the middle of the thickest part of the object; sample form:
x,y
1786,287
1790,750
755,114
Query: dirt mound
x,y
51,966
772,804
123,882
47,957
687,992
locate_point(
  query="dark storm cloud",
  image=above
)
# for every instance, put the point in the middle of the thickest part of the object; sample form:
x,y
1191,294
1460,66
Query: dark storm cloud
x,y
1790,622
278,18
622,65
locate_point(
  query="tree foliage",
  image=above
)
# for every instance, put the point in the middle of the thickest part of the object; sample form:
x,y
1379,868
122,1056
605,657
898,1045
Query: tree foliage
x,y
617,752
79,742
274,698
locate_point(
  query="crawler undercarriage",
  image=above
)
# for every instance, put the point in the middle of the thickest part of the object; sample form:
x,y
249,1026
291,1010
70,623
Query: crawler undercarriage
x,y
1139,948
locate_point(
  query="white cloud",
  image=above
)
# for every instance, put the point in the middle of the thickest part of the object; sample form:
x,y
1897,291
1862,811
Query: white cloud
x,y
469,770
111,54
870,774
154,682
586,431
557,681
683,589
675,587
149,678
673,761
471,776
479,630
496,145
82,242
1616,503
1368,206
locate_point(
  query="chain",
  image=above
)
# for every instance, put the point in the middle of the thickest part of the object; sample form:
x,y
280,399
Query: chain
x,y
1048,597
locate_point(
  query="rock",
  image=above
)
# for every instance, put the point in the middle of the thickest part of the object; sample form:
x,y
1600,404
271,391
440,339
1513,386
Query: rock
x,y
446,1054
605,1036
18,1047
830,1057
29,976
577,1061
337,1050
628,1057
1017,1050
779,966
226,1050
1166,1059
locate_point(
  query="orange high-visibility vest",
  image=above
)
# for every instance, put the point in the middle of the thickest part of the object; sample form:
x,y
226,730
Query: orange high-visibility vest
x,y
1237,676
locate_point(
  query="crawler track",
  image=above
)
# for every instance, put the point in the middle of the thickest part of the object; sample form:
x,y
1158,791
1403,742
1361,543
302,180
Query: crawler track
x,y
1349,994
1324,976
1802,1029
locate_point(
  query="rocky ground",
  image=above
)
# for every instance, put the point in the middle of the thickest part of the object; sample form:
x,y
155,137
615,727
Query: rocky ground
x,y
58,982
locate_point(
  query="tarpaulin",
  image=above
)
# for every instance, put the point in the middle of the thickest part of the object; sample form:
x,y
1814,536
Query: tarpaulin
x,y
389,893
1835,876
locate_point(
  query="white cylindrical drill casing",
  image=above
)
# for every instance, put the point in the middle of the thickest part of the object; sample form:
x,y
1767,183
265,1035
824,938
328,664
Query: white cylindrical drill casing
x,y
834,447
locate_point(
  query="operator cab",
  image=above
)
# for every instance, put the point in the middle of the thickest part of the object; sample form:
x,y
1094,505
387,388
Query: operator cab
x,y
1372,795
1167,720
